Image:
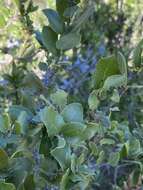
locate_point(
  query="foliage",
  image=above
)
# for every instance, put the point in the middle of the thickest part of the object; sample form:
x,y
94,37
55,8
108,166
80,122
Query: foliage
x,y
71,118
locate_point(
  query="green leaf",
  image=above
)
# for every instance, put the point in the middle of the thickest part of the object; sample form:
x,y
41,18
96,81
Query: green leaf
x,y
83,18
32,81
81,159
9,139
49,38
135,177
65,180
122,63
73,163
115,97
2,21
73,113
4,122
54,19
20,167
16,2
49,165
114,81
62,153
29,183
52,120
137,54
6,186
68,41
111,72
134,146
93,148
61,5
80,180
107,141
17,127
124,151
73,129
93,100
105,68
101,157
3,159
45,145
90,131
114,158
28,101
69,12
23,120
59,98
16,110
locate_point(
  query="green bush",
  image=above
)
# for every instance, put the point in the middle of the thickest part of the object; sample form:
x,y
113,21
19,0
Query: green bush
x,y
79,125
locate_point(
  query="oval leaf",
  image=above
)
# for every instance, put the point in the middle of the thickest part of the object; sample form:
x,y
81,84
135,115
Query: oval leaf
x,y
114,81
105,68
73,129
54,20
68,41
49,38
52,120
73,113
59,98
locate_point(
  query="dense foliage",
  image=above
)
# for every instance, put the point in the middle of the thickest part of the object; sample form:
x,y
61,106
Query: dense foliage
x,y
71,95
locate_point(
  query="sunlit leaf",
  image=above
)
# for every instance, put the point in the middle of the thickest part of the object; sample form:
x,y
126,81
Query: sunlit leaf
x,y
52,120
2,21
73,113
59,98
